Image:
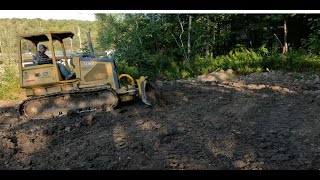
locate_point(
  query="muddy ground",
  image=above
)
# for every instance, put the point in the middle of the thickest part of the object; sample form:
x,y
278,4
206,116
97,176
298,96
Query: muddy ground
x,y
260,121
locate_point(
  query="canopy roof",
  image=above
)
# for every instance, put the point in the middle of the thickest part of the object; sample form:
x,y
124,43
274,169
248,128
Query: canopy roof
x,y
41,37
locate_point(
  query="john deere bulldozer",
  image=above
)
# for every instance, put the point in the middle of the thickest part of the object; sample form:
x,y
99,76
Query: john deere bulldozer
x,y
96,85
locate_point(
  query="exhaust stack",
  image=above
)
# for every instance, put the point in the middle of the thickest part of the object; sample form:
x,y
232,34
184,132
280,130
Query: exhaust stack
x,y
90,45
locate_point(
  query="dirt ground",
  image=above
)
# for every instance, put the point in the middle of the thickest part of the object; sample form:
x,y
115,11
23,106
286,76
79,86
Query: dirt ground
x,y
260,121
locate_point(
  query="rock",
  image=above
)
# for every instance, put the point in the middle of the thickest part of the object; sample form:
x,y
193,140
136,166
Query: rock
x,y
221,71
238,84
286,90
276,88
159,83
139,122
213,83
89,119
67,129
229,72
173,162
240,164
7,114
181,130
118,139
307,162
262,86
273,132
185,99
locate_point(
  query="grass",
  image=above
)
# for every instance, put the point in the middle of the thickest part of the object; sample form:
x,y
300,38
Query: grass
x,y
9,84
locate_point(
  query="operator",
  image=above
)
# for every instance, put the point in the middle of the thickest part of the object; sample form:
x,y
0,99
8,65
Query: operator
x,y
41,56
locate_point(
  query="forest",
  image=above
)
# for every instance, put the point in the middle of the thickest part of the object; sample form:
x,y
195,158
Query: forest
x,y
186,45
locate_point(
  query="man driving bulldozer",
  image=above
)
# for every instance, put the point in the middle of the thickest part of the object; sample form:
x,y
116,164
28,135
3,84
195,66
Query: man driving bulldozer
x,y
41,57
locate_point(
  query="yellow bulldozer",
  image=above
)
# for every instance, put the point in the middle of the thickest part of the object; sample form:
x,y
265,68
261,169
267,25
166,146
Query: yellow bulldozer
x,y
96,85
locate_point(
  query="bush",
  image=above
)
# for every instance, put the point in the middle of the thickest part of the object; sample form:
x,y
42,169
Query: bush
x,y
240,60
124,68
297,61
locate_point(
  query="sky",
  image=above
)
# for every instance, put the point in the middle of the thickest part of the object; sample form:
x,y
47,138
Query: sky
x,y
48,14
89,14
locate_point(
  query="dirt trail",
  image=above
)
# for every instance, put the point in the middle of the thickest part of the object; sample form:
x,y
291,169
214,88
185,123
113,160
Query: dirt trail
x,y
259,121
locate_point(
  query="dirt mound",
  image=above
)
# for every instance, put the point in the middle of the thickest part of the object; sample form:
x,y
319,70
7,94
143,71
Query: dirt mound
x,y
217,77
252,122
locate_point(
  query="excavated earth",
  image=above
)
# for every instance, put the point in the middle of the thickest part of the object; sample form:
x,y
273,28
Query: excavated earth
x,y
261,121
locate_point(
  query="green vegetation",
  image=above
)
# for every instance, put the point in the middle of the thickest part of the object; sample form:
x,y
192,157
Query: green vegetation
x,y
174,46
9,84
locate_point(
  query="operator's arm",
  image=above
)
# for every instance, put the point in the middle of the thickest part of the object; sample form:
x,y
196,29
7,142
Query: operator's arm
x,y
36,58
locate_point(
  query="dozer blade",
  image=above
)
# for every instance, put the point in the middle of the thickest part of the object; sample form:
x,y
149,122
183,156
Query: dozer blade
x,y
142,90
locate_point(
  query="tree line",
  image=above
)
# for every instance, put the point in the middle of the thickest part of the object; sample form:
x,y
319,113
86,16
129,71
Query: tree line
x,y
185,45
11,28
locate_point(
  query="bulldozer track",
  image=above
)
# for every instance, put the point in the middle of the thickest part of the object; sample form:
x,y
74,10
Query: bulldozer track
x,y
60,104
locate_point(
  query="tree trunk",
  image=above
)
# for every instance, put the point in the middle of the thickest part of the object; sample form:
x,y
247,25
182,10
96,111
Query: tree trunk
x,y
189,38
152,18
180,37
285,46
71,44
208,36
219,49
1,50
214,35
79,34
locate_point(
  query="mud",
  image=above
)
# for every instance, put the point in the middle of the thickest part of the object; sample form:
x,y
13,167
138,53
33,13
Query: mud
x,y
257,122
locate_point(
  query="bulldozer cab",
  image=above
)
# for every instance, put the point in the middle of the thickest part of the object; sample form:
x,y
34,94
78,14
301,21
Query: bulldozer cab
x,y
33,74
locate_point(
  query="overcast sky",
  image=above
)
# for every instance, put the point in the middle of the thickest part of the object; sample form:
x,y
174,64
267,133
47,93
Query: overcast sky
x,y
89,14
48,14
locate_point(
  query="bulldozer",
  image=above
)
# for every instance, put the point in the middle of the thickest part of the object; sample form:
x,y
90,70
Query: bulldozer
x,y
96,85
